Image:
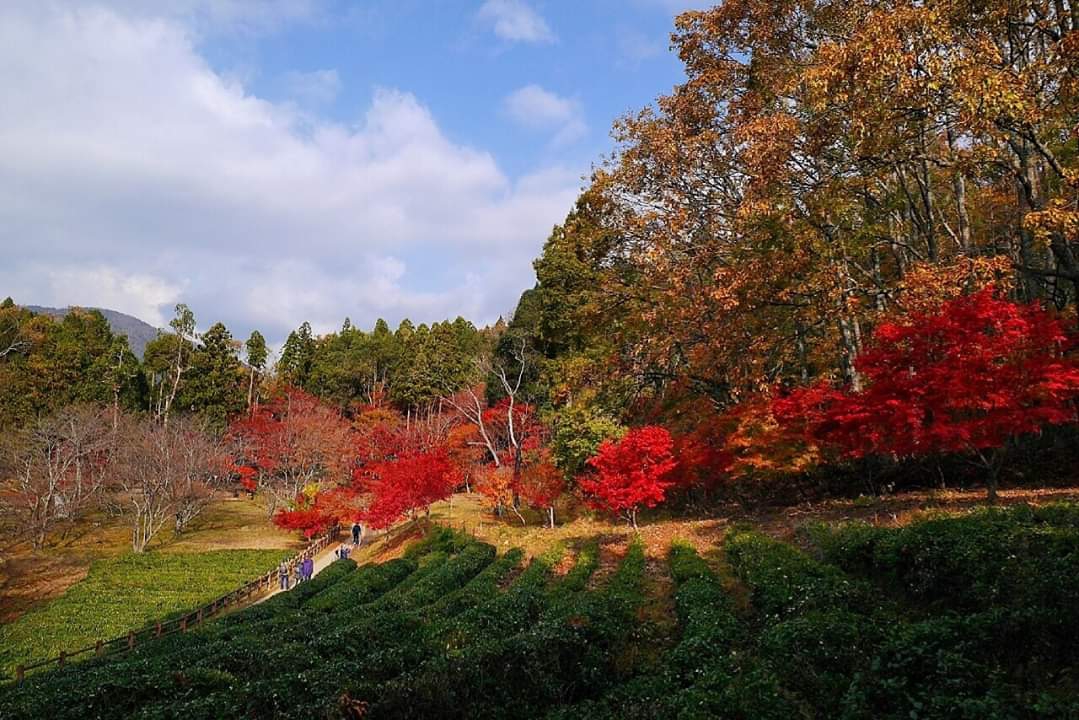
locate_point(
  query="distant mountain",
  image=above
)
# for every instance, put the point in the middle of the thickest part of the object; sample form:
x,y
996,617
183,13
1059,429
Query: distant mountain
x,y
138,332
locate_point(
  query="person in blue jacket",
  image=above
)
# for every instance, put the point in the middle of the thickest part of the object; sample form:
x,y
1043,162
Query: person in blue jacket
x,y
282,572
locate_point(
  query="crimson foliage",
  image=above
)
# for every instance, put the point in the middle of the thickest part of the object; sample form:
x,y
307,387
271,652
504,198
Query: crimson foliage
x,y
964,379
632,472
409,484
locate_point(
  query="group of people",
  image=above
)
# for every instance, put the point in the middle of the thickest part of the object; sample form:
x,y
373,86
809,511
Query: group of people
x,y
295,572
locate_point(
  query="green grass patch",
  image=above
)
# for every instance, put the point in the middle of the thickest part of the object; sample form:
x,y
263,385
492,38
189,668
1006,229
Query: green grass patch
x,y
126,593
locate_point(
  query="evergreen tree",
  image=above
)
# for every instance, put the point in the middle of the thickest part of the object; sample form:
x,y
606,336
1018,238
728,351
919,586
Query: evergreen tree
x,y
257,354
297,356
214,387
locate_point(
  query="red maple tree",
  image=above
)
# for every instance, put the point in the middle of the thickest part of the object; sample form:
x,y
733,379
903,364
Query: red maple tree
x,y
632,472
404,486
292,441
540,483
965,379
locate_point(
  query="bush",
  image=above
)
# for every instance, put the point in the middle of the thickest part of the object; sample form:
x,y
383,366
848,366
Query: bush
x,y
434,635
560,659
784,582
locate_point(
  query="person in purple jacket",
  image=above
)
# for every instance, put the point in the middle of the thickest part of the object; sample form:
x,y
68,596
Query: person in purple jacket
x,y
309,568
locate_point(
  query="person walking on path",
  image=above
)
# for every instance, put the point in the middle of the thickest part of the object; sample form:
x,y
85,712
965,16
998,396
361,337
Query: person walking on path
x,y
308,568
297,571
282,571
357,531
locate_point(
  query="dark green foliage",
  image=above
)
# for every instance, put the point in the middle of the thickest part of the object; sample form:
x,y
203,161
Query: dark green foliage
x,y
481,588
413,367
508,613
993,596
54,363
785,582
1017,558
563,657
362,587
214,385
297,357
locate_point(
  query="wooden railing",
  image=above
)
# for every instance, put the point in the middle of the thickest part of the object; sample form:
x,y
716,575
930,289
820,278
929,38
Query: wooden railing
x,y
192,618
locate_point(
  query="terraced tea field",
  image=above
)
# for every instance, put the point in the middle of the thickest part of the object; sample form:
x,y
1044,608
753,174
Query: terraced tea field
x,y
951,617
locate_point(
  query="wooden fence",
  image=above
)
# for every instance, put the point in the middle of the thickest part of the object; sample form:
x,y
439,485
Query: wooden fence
x,y
256,588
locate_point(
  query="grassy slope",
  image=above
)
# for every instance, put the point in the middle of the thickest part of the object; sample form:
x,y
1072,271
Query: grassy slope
x,y
28,579
124,593
87,585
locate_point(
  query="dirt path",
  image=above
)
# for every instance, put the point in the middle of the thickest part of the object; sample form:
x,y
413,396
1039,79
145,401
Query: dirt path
x,y
322,561
469,512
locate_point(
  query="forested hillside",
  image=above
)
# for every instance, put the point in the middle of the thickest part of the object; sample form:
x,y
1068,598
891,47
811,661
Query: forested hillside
x,y
137,332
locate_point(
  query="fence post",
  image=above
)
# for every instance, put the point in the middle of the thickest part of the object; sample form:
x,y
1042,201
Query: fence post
x,y
20,673
157,629
62,659
183,624
99,647
130,639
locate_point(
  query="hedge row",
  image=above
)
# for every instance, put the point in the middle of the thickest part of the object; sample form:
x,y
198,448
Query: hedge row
x,y
562,657
885,623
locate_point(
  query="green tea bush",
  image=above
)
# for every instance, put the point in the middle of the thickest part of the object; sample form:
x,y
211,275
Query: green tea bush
x,y
510,612
363,586
967,563
990,594
558,660
438,634
481,588
785,582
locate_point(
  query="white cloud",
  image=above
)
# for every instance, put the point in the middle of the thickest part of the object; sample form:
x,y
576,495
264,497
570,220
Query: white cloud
x,y
318,87
211,16
516,21
134,176
58,283
533,107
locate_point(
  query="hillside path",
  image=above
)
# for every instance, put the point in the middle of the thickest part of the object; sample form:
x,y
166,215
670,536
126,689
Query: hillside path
x,y
322,561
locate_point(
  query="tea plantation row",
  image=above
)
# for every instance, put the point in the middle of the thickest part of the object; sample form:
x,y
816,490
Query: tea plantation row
x,y
969,617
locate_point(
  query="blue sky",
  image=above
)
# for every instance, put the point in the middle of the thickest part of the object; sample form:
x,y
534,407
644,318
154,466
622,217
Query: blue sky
x,y
604,57
274,161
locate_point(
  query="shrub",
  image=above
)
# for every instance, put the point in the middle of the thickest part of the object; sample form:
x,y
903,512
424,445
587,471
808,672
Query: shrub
x,y
784,582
